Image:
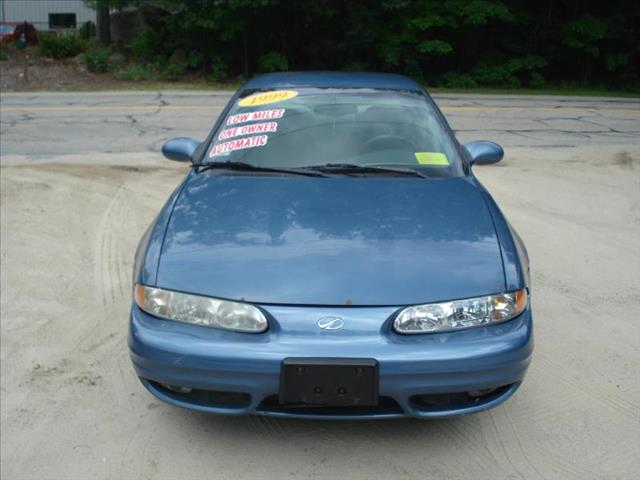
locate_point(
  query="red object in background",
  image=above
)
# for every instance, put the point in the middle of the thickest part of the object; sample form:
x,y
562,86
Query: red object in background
x,y
11,31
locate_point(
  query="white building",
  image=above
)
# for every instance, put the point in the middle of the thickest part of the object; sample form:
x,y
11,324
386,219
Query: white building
x,y
47,14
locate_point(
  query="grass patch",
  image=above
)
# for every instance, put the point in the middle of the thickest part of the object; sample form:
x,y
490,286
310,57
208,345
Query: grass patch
x,y
188,86
152,84
145,81
135,72
108,85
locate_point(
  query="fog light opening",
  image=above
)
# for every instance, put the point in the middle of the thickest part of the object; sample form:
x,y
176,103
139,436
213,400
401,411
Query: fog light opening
x,y
478,394
177,388
457,400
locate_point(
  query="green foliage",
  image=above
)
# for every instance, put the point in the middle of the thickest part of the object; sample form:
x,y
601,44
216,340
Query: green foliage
x,y
97,61
194,59
117,61
147,44
273,62
435,47
116,4
457,80
218,71
511,73
173,71
3,55
585,33
87,30
61,45
139,71
479,12
536,80
614,61
431,20
483,43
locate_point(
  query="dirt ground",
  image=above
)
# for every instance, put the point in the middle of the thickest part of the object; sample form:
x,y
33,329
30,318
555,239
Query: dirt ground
x,y
41,73
72,407
61,75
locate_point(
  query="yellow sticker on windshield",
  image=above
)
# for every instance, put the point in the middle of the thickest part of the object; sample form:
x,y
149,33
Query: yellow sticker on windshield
x,y
264,98
432,158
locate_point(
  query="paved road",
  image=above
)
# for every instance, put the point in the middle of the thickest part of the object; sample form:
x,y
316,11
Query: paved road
x,y
80,181
70,123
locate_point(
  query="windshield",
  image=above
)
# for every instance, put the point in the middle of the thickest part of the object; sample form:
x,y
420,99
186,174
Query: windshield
x,y
307,127
4,29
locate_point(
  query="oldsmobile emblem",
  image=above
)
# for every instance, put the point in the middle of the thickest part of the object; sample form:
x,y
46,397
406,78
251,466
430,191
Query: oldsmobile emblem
x,y
330,323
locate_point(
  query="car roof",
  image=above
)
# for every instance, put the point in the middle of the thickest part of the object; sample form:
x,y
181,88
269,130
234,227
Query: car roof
x,y
331,79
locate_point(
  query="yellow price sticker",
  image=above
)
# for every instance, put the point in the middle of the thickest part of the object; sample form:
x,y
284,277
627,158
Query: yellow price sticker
x,y
432,158
265,98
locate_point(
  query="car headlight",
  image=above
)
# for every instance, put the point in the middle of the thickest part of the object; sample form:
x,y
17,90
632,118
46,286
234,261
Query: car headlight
x,y
459,314
199,310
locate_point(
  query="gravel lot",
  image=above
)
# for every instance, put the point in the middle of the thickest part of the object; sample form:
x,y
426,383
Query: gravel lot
x,y
81,179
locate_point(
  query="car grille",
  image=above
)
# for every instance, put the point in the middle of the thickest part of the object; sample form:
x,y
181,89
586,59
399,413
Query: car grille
x,y
386,406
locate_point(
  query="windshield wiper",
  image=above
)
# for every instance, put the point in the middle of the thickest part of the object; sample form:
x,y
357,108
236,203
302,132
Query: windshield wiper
x,y
247,167
347,168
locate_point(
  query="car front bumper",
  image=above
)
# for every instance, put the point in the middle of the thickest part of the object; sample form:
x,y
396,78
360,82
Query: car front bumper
x,y
239,373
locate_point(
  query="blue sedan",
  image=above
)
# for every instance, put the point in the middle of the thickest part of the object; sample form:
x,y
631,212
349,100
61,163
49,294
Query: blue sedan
x,y
330,254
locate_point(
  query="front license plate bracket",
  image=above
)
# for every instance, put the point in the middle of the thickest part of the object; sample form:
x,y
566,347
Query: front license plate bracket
x,y
329,382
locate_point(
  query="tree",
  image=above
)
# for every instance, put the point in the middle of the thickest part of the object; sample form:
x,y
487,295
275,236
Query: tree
x,y
103,23
506,43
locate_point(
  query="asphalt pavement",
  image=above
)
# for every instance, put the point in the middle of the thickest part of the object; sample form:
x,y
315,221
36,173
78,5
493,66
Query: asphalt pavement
x,y
125,122
82,177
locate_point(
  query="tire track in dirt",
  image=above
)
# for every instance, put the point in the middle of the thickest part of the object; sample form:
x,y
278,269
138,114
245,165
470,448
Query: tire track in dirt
x,y
103,285
510,445
627,408
112,284
109,260
483,457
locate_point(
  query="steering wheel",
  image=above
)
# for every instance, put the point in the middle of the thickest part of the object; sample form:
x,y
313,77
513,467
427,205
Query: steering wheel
x,y
386,142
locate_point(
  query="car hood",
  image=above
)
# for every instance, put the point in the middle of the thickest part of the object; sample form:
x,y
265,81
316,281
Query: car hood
x,y
331,241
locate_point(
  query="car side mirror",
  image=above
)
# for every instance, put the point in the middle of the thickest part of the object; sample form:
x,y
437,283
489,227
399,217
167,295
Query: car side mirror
x,y
483,152
180,149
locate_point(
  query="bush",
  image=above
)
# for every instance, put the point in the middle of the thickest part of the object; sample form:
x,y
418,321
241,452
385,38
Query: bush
x,y
174,71
147,44
495,75
97,62
139,71
194,59
273,62
217,71
117,61
536,80
3,55
509,73
457,80
87,30
63,45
